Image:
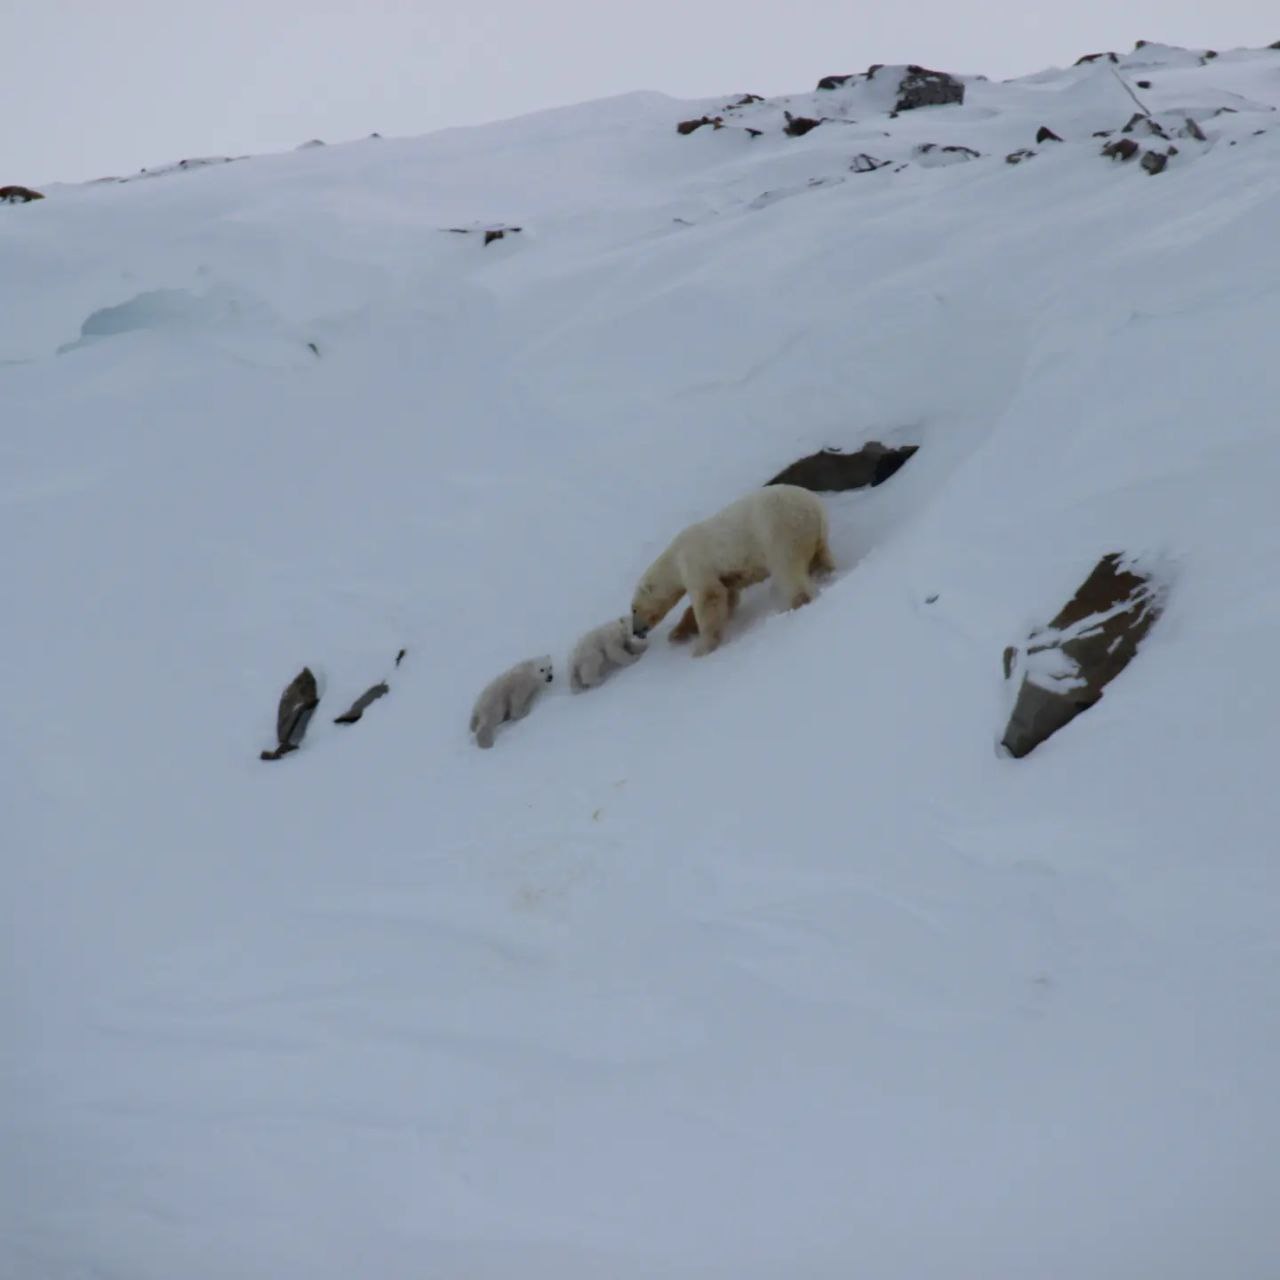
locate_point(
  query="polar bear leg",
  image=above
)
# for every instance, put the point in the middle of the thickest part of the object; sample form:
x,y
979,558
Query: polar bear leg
x,y
711,610
822,562
616,651
586,670
687,627
792,582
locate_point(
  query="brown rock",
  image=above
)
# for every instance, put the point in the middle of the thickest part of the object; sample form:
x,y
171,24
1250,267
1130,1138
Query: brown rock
x,y
1154,161
1093,57
1017,157
1045,134
1121,149
19,195
1092,639
798,126
833,82
1192,130
686,127
831,471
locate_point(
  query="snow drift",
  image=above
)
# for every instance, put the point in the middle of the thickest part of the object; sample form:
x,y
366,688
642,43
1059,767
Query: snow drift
x,y
768,964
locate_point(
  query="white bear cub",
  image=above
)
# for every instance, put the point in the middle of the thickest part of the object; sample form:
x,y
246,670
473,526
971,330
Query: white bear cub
x,y
602,650
509,697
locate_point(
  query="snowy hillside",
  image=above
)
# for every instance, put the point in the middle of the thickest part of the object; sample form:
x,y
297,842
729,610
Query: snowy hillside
x,y
764,965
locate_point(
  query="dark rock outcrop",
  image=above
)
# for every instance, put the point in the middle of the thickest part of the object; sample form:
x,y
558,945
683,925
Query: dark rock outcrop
x,y
832,471
1017,157
1093,57
490,233
357,708
863,163
833,82
19,195
1091,640
686,127
1045,134
798,126
1143,123
921,87
1121,149
298,701
1155,161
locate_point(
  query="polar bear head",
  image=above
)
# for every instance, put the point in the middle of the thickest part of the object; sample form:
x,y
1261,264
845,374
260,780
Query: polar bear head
x,y
655,597
543,667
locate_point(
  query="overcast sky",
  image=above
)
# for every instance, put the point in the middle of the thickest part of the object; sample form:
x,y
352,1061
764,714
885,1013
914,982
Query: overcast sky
x,y
96,87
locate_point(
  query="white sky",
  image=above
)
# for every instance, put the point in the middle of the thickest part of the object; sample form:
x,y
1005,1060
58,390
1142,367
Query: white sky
x,y
96,87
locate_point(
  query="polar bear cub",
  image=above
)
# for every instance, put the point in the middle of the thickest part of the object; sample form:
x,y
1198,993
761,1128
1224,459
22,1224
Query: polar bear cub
x,y
603,649
509,697
777,532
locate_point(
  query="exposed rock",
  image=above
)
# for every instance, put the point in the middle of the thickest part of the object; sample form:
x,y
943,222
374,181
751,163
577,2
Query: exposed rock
x,y
490,233
1154,161
1121,149
19,195
1045,134
1093,57
798,126
1143,84
1143,123
311,145
1102,133
833,82
923,88
832,471
746,100
863,163
400,656
1192,130
755,133
298,701
1017,157
686,127
930,154
873,68
1068,663
357,708
1208,55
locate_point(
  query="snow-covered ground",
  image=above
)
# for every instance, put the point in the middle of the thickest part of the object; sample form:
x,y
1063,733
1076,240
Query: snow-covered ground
x,y
765,965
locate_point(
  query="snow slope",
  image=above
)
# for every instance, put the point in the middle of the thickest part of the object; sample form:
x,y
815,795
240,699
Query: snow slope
x,y
758,966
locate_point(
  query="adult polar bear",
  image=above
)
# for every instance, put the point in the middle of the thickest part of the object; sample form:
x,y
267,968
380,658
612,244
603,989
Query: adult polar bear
x,y
777,532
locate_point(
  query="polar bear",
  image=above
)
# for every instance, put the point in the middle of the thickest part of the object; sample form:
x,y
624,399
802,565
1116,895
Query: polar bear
x,y
777,532
509,697
612,645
